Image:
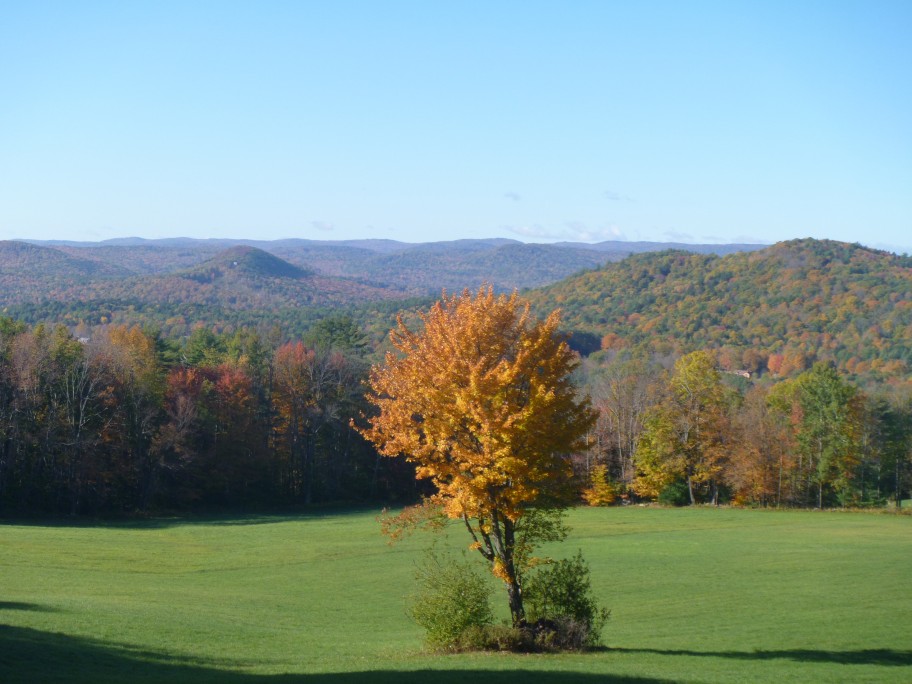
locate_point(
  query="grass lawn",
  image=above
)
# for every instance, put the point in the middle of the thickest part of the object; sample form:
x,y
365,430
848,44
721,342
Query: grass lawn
x,y
697,595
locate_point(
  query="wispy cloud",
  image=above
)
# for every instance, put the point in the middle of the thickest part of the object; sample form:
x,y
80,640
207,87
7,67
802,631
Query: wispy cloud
x,y
532,231
750,240
571,231
616,196
324,226
896,249
514,196
677,236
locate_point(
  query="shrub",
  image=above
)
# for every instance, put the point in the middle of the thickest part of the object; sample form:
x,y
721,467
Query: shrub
x,y
560,606
453,603
497,638
675,494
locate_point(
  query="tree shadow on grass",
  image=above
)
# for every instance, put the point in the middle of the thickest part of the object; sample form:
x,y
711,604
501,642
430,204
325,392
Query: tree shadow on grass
x,y
164,522
866,656
33,607
29,655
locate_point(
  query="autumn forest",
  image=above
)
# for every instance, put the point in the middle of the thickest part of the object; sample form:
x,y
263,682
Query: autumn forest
x,y
778,377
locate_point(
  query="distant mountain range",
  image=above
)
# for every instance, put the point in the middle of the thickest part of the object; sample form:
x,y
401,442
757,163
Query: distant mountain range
x,y
388,246
403,268
773,309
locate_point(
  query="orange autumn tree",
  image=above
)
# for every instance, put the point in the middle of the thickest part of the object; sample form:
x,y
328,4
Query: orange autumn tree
x,y
481,400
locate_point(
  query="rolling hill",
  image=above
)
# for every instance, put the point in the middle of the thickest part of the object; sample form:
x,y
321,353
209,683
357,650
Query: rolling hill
x,y
244,262
773,310
31,273
776,310
417,269
23,258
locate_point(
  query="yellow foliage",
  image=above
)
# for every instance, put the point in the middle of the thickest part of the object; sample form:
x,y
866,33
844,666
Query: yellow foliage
x,y
481,401
599,492
500,571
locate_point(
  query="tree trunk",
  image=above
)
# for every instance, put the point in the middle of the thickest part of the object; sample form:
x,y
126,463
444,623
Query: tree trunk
x,y
779,486
500,545
517,612
898,483
308,470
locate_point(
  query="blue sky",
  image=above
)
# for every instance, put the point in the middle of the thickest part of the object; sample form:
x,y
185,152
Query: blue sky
x,y
417,121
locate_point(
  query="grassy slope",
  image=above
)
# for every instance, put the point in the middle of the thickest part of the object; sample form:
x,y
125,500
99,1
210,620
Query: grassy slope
x,y
697,595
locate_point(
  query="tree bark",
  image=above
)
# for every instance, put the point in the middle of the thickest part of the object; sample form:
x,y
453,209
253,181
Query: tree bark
x,y
502,541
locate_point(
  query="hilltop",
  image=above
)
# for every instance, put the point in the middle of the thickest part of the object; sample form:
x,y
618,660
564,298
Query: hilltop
x,y
26,259
30,273
776,310
246,262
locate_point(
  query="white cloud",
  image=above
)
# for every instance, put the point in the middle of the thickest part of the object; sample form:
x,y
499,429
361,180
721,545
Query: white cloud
x,y
533,231
324,226
896,249
677,236
571,231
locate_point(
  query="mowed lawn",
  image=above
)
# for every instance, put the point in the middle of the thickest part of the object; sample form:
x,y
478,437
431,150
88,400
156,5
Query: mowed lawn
x,y
697,595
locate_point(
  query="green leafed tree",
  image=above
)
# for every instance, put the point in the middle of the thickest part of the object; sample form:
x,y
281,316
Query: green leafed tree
x,y
829,430
684,435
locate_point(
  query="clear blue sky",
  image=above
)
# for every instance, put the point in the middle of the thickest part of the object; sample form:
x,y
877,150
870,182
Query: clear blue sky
x,y
691,121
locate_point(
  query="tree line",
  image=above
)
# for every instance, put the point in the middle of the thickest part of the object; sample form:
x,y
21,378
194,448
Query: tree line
x,y
693,433
126,421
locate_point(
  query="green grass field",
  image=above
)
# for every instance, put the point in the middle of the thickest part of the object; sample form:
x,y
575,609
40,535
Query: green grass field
x,y
697,595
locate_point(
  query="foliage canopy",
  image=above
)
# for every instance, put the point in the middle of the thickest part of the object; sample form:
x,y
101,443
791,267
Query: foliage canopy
x,y
482,402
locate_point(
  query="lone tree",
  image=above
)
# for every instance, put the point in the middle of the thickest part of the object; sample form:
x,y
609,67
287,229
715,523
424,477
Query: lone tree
x,y
481,400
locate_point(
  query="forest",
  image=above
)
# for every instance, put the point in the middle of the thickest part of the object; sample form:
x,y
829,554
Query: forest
x,y
778,377
775,311
694,433
177,284
128,422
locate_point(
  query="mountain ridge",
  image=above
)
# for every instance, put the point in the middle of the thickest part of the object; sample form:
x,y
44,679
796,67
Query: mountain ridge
x,y
419,269
777,310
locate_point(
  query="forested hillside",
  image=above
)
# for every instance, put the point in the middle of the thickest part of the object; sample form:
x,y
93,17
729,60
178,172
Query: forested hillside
x,y
775,310
176,284
237,286
244,394
772,311
418,269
